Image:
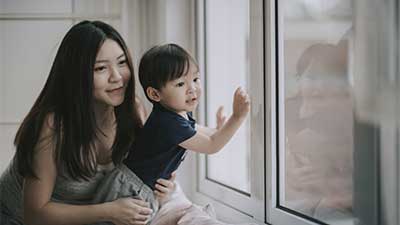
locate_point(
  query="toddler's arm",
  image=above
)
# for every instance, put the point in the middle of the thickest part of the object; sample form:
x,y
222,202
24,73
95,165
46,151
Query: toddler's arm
x,y
205,141
221,118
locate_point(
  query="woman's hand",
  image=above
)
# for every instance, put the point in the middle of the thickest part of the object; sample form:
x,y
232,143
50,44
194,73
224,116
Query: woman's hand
x,y
164,188
129,211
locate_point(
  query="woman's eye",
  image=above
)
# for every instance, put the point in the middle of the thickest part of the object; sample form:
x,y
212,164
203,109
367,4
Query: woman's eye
x,y
196,79
122,62
180,84
100,69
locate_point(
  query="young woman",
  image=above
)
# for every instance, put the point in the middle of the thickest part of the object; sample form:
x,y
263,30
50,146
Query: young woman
x,y
81,125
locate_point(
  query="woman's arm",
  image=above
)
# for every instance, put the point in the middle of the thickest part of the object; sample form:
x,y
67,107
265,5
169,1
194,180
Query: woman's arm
x,y
38,209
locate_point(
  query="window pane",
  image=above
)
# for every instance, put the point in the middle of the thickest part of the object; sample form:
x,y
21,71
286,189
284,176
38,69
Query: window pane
x,y
318,109
227,34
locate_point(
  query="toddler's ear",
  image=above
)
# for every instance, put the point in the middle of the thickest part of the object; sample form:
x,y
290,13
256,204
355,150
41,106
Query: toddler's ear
x,y
153,94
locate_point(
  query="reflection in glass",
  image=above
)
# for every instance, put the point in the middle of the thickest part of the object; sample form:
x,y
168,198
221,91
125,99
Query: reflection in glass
x,y
318,162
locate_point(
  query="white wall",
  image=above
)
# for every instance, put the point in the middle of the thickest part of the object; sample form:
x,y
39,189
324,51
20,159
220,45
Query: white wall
x,y
25,62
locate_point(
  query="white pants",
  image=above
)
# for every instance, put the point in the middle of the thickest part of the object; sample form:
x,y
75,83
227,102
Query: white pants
x,y
178,210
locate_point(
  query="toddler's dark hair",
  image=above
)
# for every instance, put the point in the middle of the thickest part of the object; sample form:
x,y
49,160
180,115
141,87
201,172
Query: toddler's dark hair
x,y
163,63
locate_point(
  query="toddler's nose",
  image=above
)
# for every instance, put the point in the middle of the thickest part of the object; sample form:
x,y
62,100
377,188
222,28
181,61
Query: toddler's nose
x,y
192,89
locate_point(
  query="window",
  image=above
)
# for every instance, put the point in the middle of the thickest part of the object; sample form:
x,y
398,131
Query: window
x,y
230,56
227,65
331,138
316,113
323,77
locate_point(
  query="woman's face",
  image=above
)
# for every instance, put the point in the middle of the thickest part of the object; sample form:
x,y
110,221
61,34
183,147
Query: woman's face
x,y
111,74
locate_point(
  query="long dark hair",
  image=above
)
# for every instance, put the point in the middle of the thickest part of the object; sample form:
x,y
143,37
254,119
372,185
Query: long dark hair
x,y
68,97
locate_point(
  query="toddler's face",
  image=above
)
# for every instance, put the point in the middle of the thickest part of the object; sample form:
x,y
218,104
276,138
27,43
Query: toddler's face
x,y
182,95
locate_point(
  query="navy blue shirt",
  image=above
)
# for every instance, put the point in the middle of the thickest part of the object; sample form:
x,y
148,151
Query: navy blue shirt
x,y
156,152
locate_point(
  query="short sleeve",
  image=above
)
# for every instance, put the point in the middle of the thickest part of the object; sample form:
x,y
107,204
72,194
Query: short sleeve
x,y
177,129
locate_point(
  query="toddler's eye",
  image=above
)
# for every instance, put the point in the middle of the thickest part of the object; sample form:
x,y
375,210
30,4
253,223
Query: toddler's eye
x,y
196,79
180,84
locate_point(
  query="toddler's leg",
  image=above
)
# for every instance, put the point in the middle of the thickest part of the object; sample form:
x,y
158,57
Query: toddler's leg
x,y
173,208
196,215
178,210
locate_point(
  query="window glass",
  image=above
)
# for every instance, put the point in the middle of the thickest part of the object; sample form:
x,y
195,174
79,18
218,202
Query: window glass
x,y
226,59
317,173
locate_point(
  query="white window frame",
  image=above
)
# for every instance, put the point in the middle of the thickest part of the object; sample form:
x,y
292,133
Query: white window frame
x,y
232,205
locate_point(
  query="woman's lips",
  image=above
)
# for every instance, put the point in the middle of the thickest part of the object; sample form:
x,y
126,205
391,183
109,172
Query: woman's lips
x,y
116,90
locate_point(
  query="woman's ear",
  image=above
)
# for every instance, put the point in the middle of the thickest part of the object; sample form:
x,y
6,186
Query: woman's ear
x,y
153,94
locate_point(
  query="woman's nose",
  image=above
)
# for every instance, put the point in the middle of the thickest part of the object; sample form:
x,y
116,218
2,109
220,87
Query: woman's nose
x,y
115,75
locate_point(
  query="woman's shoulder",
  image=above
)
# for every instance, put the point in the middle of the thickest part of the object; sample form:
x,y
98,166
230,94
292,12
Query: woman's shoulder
x,y
141,109
47,132
48,121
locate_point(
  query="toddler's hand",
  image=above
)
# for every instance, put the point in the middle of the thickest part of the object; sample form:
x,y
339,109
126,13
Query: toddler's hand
x,y
164,188
241,103
220,117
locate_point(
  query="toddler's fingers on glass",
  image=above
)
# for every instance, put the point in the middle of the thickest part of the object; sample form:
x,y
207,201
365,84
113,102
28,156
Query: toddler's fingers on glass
x,y
237,91
220,110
